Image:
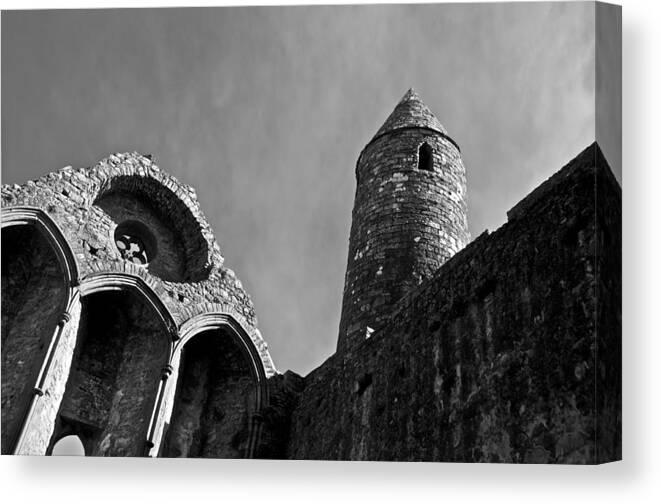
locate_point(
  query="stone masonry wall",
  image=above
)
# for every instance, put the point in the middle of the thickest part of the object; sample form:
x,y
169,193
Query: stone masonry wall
x,y
48,405
214,401
275,417
115,374
406,222
169,262
608,274
69,197
508,354
184,282
33,297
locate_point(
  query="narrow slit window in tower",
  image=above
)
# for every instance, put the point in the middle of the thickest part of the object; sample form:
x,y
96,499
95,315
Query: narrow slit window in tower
x,y
425,157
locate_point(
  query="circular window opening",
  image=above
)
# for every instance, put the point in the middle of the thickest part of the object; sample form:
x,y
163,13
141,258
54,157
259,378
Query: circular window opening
x,y
135,242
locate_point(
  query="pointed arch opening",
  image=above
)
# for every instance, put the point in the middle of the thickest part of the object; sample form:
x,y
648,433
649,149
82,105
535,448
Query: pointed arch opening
x,y
121,349
35,293
216,397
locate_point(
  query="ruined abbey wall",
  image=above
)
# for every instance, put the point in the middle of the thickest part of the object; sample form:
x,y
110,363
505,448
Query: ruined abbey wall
x,y
32,283
510,353
216,402
109,274
113,380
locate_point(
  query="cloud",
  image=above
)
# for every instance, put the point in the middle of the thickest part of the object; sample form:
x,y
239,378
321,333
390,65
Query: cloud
x,y
265,111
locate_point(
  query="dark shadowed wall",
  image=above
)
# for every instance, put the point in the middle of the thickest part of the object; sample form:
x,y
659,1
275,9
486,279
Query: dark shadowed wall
x,y
511,353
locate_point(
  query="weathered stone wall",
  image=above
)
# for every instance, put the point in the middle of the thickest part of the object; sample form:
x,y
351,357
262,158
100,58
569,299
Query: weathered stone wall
x,y
608,351
41,425
406,220
275,417
499,357
114,397
68,197
214,401
33,299
112,385
169,261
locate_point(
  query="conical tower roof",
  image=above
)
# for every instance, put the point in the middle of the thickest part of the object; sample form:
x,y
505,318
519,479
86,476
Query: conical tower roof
x,y
411,112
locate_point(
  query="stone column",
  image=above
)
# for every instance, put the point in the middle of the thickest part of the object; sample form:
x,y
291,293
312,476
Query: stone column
x,y
39,421
154,434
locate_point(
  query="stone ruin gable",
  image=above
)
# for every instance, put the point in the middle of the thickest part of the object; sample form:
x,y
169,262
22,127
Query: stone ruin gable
x,y
68,197
505,355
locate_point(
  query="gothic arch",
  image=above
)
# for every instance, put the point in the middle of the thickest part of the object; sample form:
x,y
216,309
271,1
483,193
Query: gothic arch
x,y
125,341
25,215
219,320
217,326
117,281
53,274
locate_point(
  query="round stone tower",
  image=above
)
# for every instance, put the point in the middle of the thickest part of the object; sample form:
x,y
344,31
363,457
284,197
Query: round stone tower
x,y
409,216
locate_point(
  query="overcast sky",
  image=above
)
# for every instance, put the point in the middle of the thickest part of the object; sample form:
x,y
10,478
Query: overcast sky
x,y
265,110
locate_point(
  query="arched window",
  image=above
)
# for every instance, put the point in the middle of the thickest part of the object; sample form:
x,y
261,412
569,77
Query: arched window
x,y
121,348
425,157
69,445
34,291
215,399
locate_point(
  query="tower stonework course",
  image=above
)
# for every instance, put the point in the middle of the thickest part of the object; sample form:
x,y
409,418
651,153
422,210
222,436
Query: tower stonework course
x,y
409,215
